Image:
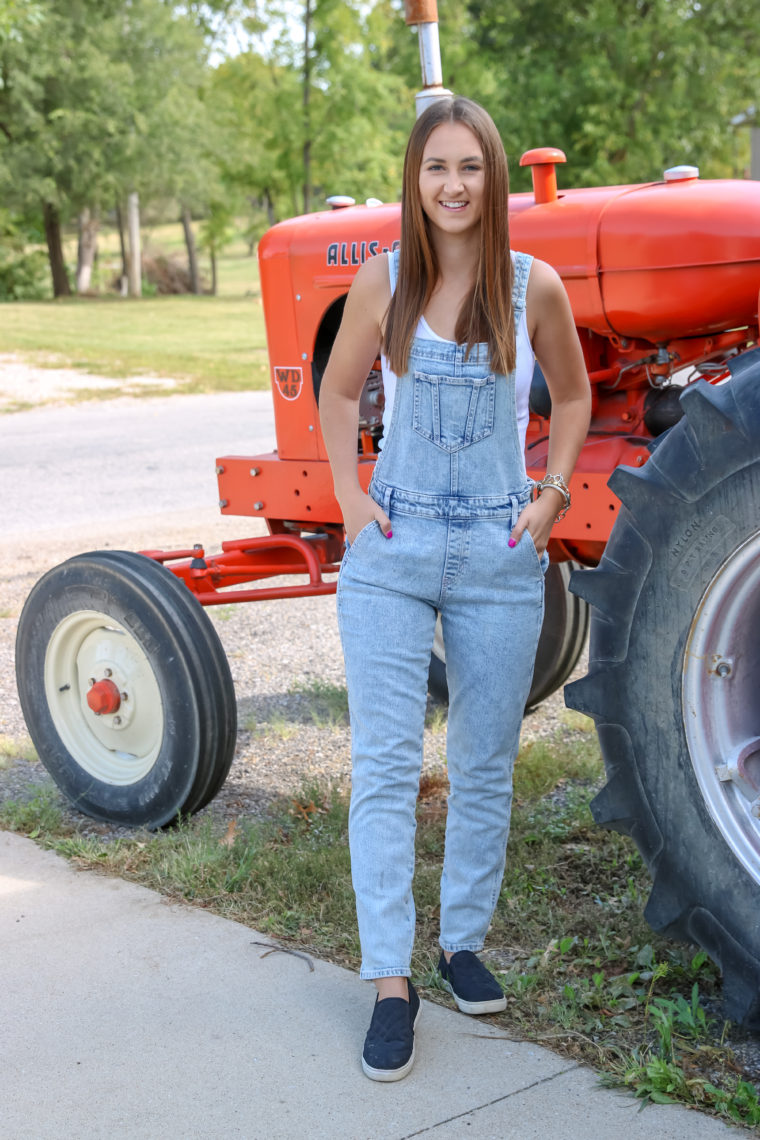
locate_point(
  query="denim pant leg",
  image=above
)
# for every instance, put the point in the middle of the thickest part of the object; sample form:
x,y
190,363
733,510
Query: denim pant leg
x,y
387,638
491,633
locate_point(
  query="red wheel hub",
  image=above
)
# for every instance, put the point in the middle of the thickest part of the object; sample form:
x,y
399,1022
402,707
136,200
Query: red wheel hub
x,y
104,697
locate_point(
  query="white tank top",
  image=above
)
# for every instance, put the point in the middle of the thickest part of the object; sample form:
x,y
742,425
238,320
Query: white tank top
x,y
523,368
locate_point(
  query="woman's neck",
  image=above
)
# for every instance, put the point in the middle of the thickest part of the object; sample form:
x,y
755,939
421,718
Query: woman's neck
x,y
457,256
457,265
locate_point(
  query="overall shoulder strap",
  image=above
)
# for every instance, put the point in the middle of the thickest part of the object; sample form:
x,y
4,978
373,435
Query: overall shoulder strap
x,y
393,269
522,263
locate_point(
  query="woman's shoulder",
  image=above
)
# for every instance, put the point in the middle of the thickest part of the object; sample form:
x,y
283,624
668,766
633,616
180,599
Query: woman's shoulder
x,y
373,275
544,281
545,292
371,286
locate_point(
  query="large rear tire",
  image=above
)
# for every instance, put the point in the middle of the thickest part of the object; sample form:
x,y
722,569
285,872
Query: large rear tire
x,y
125,689
674,676
563,636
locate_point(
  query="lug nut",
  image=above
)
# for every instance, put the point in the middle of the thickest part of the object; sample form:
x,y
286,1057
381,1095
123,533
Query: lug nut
x,y
108,672
258,506
125,696
724,669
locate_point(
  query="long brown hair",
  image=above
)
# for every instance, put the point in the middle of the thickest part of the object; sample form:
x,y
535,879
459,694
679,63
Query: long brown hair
x,y
486,314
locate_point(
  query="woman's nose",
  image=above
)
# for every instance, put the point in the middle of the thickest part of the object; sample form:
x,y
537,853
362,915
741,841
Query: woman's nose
x,y
453,184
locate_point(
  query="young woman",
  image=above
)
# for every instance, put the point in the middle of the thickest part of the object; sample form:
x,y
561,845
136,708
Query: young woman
x,y
449,526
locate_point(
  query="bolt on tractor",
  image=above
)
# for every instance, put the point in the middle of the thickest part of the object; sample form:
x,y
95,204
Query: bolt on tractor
x,y
125,687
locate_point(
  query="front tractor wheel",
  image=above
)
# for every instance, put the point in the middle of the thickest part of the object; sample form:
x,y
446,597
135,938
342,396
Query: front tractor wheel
x,y
125,689
674,676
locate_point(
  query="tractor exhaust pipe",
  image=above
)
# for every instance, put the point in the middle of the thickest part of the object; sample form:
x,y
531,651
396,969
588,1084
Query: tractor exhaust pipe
x,y
423,14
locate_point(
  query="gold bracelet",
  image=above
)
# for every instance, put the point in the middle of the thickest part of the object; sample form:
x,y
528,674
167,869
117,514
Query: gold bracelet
x,y
558,483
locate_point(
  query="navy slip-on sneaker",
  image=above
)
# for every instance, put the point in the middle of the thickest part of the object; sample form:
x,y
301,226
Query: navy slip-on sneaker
x,y
388,1053
472,985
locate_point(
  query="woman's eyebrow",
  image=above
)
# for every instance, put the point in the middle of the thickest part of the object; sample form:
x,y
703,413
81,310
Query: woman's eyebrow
x,y
470,158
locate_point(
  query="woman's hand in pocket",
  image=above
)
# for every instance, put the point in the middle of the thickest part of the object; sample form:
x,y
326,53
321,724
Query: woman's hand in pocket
x,y
359,512
538,519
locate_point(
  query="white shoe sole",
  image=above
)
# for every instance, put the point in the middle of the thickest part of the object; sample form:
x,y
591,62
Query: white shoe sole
x,y
474,1008
393,1074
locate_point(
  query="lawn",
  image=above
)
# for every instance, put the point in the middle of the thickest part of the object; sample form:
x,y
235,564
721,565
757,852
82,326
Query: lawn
x,y
209,343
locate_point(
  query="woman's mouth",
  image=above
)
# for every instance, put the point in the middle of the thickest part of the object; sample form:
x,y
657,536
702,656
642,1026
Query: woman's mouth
x,y
452,205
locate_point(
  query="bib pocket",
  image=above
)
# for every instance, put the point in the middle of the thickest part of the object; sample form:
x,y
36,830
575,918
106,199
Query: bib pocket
x,y
453,411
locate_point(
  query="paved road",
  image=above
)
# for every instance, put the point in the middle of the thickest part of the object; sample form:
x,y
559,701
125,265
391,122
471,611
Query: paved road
x,y
67,466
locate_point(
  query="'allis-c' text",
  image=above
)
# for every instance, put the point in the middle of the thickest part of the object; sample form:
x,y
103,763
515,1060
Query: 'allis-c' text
x,y
356,252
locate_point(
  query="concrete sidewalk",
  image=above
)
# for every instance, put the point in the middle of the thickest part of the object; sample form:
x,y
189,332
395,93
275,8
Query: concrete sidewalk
x,y
124,1015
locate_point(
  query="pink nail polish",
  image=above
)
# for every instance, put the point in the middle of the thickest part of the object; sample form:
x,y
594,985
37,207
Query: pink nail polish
x,y
389,534
512,542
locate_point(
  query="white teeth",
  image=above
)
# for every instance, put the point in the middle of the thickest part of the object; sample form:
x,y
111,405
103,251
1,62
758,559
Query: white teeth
x,y
453,205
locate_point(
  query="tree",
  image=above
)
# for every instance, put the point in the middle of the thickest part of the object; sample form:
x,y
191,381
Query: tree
x,y
216,233
315,111
625,87
86,118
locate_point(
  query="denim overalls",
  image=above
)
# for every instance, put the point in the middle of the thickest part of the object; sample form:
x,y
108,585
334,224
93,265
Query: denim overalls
x,y
451,477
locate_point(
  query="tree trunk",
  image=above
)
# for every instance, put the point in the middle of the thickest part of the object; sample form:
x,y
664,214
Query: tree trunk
x,y
122,244
87,248
271,213
61,286
306,107
212,254
192,256
135,254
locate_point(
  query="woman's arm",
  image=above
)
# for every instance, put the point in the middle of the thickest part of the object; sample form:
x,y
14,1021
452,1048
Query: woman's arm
x,y
558,351
354,352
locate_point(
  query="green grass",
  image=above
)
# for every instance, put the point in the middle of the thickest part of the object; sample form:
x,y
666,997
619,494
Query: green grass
x,y
583,972
322,703
211,343
208,343
14,748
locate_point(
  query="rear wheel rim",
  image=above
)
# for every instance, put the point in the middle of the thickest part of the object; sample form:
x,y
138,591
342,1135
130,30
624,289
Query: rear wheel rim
x,y
119,748
721,701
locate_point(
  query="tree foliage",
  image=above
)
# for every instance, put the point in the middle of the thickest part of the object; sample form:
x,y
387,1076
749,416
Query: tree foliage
x,y
625,87
212,107
98,98
310,109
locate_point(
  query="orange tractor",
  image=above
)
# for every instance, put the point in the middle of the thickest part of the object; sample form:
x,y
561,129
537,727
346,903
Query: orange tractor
x,y
125,687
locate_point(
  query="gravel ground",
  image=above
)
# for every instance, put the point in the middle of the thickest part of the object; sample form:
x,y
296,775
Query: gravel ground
x,y
23,384
275,649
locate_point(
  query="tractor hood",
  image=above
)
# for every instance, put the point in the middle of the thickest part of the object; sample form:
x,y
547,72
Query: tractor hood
x,y
656,261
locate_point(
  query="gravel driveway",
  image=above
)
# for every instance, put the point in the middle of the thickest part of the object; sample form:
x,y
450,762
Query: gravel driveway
x,y
279,651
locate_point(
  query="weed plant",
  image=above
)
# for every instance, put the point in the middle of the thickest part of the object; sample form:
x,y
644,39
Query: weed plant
x,y
582,971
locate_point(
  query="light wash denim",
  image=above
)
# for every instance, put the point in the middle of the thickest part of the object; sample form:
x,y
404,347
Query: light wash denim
x,y
452,479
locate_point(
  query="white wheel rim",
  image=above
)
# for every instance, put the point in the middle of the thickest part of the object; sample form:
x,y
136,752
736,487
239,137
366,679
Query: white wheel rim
x,y
721,701
115,748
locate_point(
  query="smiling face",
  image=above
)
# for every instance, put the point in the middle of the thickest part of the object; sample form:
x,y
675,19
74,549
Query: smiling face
x,y
452,178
